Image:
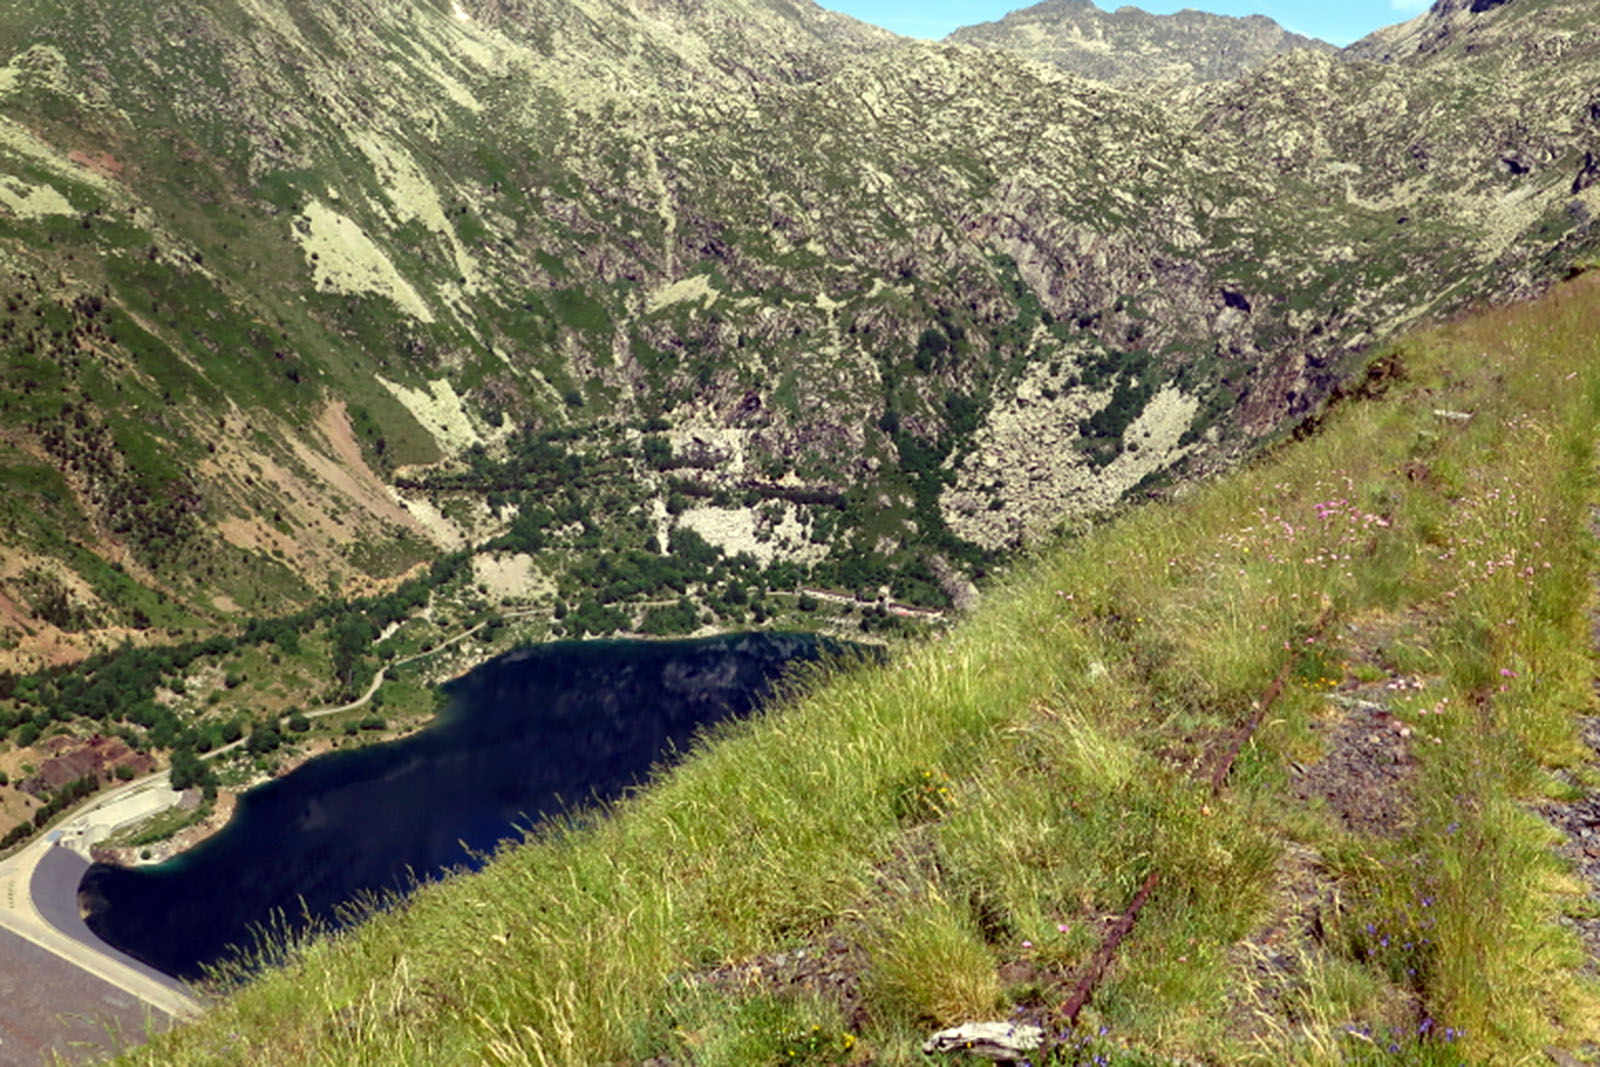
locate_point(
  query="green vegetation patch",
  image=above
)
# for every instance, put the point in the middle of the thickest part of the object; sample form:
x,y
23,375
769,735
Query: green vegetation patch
x,y
575,308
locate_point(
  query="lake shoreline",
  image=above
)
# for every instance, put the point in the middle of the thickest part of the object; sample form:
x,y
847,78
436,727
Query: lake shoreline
x,y
227,802
460,665
523,738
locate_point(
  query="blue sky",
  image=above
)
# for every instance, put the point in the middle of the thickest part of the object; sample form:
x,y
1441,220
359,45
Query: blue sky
x,y
1339,23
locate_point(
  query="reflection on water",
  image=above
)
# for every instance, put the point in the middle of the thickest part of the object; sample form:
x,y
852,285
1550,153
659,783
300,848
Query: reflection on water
x,y
527,734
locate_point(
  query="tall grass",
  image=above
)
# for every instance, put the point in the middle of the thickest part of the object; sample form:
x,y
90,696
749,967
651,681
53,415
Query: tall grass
x,y
967,815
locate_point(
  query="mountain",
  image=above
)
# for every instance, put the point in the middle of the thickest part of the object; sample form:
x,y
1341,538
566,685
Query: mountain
x,y
1128,45
1445,24
965,832
297,299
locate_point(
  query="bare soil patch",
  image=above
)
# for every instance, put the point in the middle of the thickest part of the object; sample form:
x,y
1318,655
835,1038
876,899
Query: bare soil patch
x,y
351,475
1361,782
1362,775
829,970
1579,823
15,807
102,163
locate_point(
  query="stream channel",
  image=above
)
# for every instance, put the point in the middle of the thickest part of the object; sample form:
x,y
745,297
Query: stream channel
x,y
524,736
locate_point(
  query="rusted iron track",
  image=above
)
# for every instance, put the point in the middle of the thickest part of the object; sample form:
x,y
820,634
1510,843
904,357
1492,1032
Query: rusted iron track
x,y
1108,948
1219,777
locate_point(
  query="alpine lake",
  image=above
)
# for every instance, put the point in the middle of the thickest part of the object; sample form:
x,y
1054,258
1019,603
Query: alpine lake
x,y
537,732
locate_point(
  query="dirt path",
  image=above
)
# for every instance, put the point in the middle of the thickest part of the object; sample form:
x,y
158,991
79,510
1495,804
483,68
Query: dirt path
x,y
1359,781
378,678
383,671
894,608
1578,820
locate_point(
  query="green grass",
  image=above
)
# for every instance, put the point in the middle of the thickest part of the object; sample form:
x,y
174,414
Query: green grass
x,y
158,827
964,818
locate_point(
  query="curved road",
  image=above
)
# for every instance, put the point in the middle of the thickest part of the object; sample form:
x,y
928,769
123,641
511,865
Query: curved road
x,y
372,687
62,988
39,893
62,985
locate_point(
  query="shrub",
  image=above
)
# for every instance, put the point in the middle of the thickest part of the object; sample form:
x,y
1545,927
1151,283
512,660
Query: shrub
x,y
264,738
658,452
188,770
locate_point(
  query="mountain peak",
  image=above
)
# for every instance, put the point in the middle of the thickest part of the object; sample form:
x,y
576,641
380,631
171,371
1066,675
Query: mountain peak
x,y
1130,45
758,273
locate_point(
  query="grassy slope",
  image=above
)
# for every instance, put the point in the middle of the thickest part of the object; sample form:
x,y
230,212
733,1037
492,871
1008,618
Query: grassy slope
x,y
961,820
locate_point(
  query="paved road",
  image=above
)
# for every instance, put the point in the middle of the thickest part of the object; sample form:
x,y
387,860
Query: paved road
x,y
60,986
63,990
49,1006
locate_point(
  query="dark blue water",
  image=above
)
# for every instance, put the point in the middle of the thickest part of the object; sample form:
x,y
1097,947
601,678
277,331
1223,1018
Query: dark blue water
x,y
526,735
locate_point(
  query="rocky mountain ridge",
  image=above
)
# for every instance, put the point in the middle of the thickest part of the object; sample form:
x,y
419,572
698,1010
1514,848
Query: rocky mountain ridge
x,y
1128,46
1434,30
297,300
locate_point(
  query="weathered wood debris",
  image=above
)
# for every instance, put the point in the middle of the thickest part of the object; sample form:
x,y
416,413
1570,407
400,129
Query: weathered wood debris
x,y
1001,1042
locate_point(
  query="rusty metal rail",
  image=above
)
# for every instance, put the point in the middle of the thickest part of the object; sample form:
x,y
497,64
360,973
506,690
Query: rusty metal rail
x,y
1108,949
1219,776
